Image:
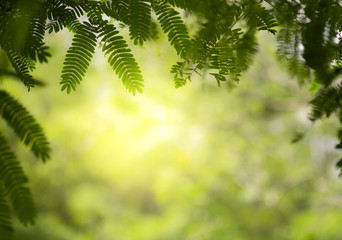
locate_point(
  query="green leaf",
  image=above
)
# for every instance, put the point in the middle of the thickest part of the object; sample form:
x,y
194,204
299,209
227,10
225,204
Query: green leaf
x,y
173,25
78,57
24,125
6,229
13,179
120,59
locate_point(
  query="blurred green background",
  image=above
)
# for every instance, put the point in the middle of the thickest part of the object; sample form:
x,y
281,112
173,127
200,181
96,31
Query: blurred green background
x,y
195,163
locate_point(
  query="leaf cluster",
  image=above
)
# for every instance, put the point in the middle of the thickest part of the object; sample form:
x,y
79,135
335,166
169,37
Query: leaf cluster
x,y
223,44
13,180
309,40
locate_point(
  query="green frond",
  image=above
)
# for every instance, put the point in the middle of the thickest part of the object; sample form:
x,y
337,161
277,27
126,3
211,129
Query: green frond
x,y
121,59
266,21
95,14
225,64
326,102
6,229
78,57
224,57
42,53
179,82
288,39
260,18
24,125
140,14
226,47
288,49
181,74
217,45
316,53
117,9
246,47
178,69
74,26
22,66
201,49
35,48
13,179
94,11
173,25
26,46
60,15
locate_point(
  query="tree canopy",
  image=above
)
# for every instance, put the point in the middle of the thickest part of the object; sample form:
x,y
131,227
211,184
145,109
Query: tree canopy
x,y
220,43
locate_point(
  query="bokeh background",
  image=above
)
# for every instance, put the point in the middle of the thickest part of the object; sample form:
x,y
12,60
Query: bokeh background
x,y
196,163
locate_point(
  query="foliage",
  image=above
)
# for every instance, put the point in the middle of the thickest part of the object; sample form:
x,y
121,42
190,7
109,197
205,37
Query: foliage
x,y
221,44
12,177
189,163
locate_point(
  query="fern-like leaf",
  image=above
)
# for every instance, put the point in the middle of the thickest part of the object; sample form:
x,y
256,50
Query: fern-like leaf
x,y
60,15
326,102
224,57
173,25
289,42
94,12
13,179
180,74
259,17
24,125
140,14
245,47
22,66
266,21
78,57
117,9
121,59
6,229
35,47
